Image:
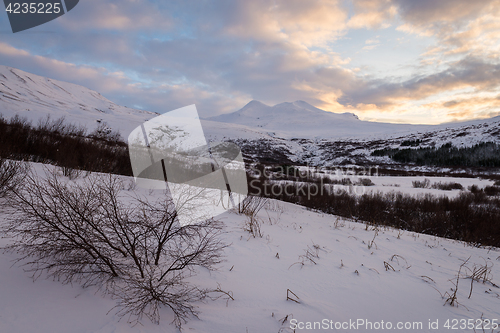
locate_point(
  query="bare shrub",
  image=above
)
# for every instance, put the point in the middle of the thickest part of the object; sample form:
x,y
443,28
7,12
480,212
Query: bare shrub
x,y
92,233
12,174
365,182
70,172
252,226
252,205
421,184
492,190
105,133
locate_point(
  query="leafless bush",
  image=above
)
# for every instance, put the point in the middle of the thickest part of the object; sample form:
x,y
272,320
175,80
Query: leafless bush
x,y
252,205
421,184
252,225
92,233
365,182
11,175
70,172
480,273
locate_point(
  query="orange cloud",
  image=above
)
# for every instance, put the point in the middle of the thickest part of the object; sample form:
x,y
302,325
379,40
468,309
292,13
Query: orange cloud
x,y
372,14
294,21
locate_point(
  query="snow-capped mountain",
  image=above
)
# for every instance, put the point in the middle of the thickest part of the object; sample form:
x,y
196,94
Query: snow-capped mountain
x,y
302,120
297,132
35,97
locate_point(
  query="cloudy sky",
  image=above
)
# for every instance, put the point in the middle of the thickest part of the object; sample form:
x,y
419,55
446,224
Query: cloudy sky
x,y
425,61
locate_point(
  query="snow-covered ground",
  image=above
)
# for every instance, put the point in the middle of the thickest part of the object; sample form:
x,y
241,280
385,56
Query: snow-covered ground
x,y
359,273
385,184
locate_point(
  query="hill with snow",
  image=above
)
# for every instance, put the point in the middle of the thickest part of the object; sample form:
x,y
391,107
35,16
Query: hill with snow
x,y
339,270
302,120
35,97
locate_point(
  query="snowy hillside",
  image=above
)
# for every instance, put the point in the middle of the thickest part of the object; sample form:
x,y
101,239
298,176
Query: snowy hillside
x,y
33,96
340,271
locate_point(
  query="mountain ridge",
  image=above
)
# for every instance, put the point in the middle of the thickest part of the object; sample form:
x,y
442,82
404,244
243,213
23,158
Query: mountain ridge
x,y
300,119
34,97
298,129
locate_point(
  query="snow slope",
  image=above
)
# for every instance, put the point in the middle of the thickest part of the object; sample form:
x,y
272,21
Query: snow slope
x,y
34,97
348,281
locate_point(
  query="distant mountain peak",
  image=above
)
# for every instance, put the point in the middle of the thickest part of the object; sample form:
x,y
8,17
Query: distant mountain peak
x,y
255,102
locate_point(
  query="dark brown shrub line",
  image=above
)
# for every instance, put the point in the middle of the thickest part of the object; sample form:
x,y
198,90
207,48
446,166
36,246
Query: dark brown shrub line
x,y
66,145
473,217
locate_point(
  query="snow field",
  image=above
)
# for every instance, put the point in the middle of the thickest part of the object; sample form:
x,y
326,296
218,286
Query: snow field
x,y
340,270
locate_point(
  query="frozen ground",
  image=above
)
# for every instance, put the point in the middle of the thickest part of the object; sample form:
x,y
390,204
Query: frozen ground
x,y
351,278
385,184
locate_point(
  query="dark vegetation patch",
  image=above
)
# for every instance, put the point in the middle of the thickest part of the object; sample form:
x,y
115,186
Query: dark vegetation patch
x,y
411,143
66,145
485,154
445,186
473,216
